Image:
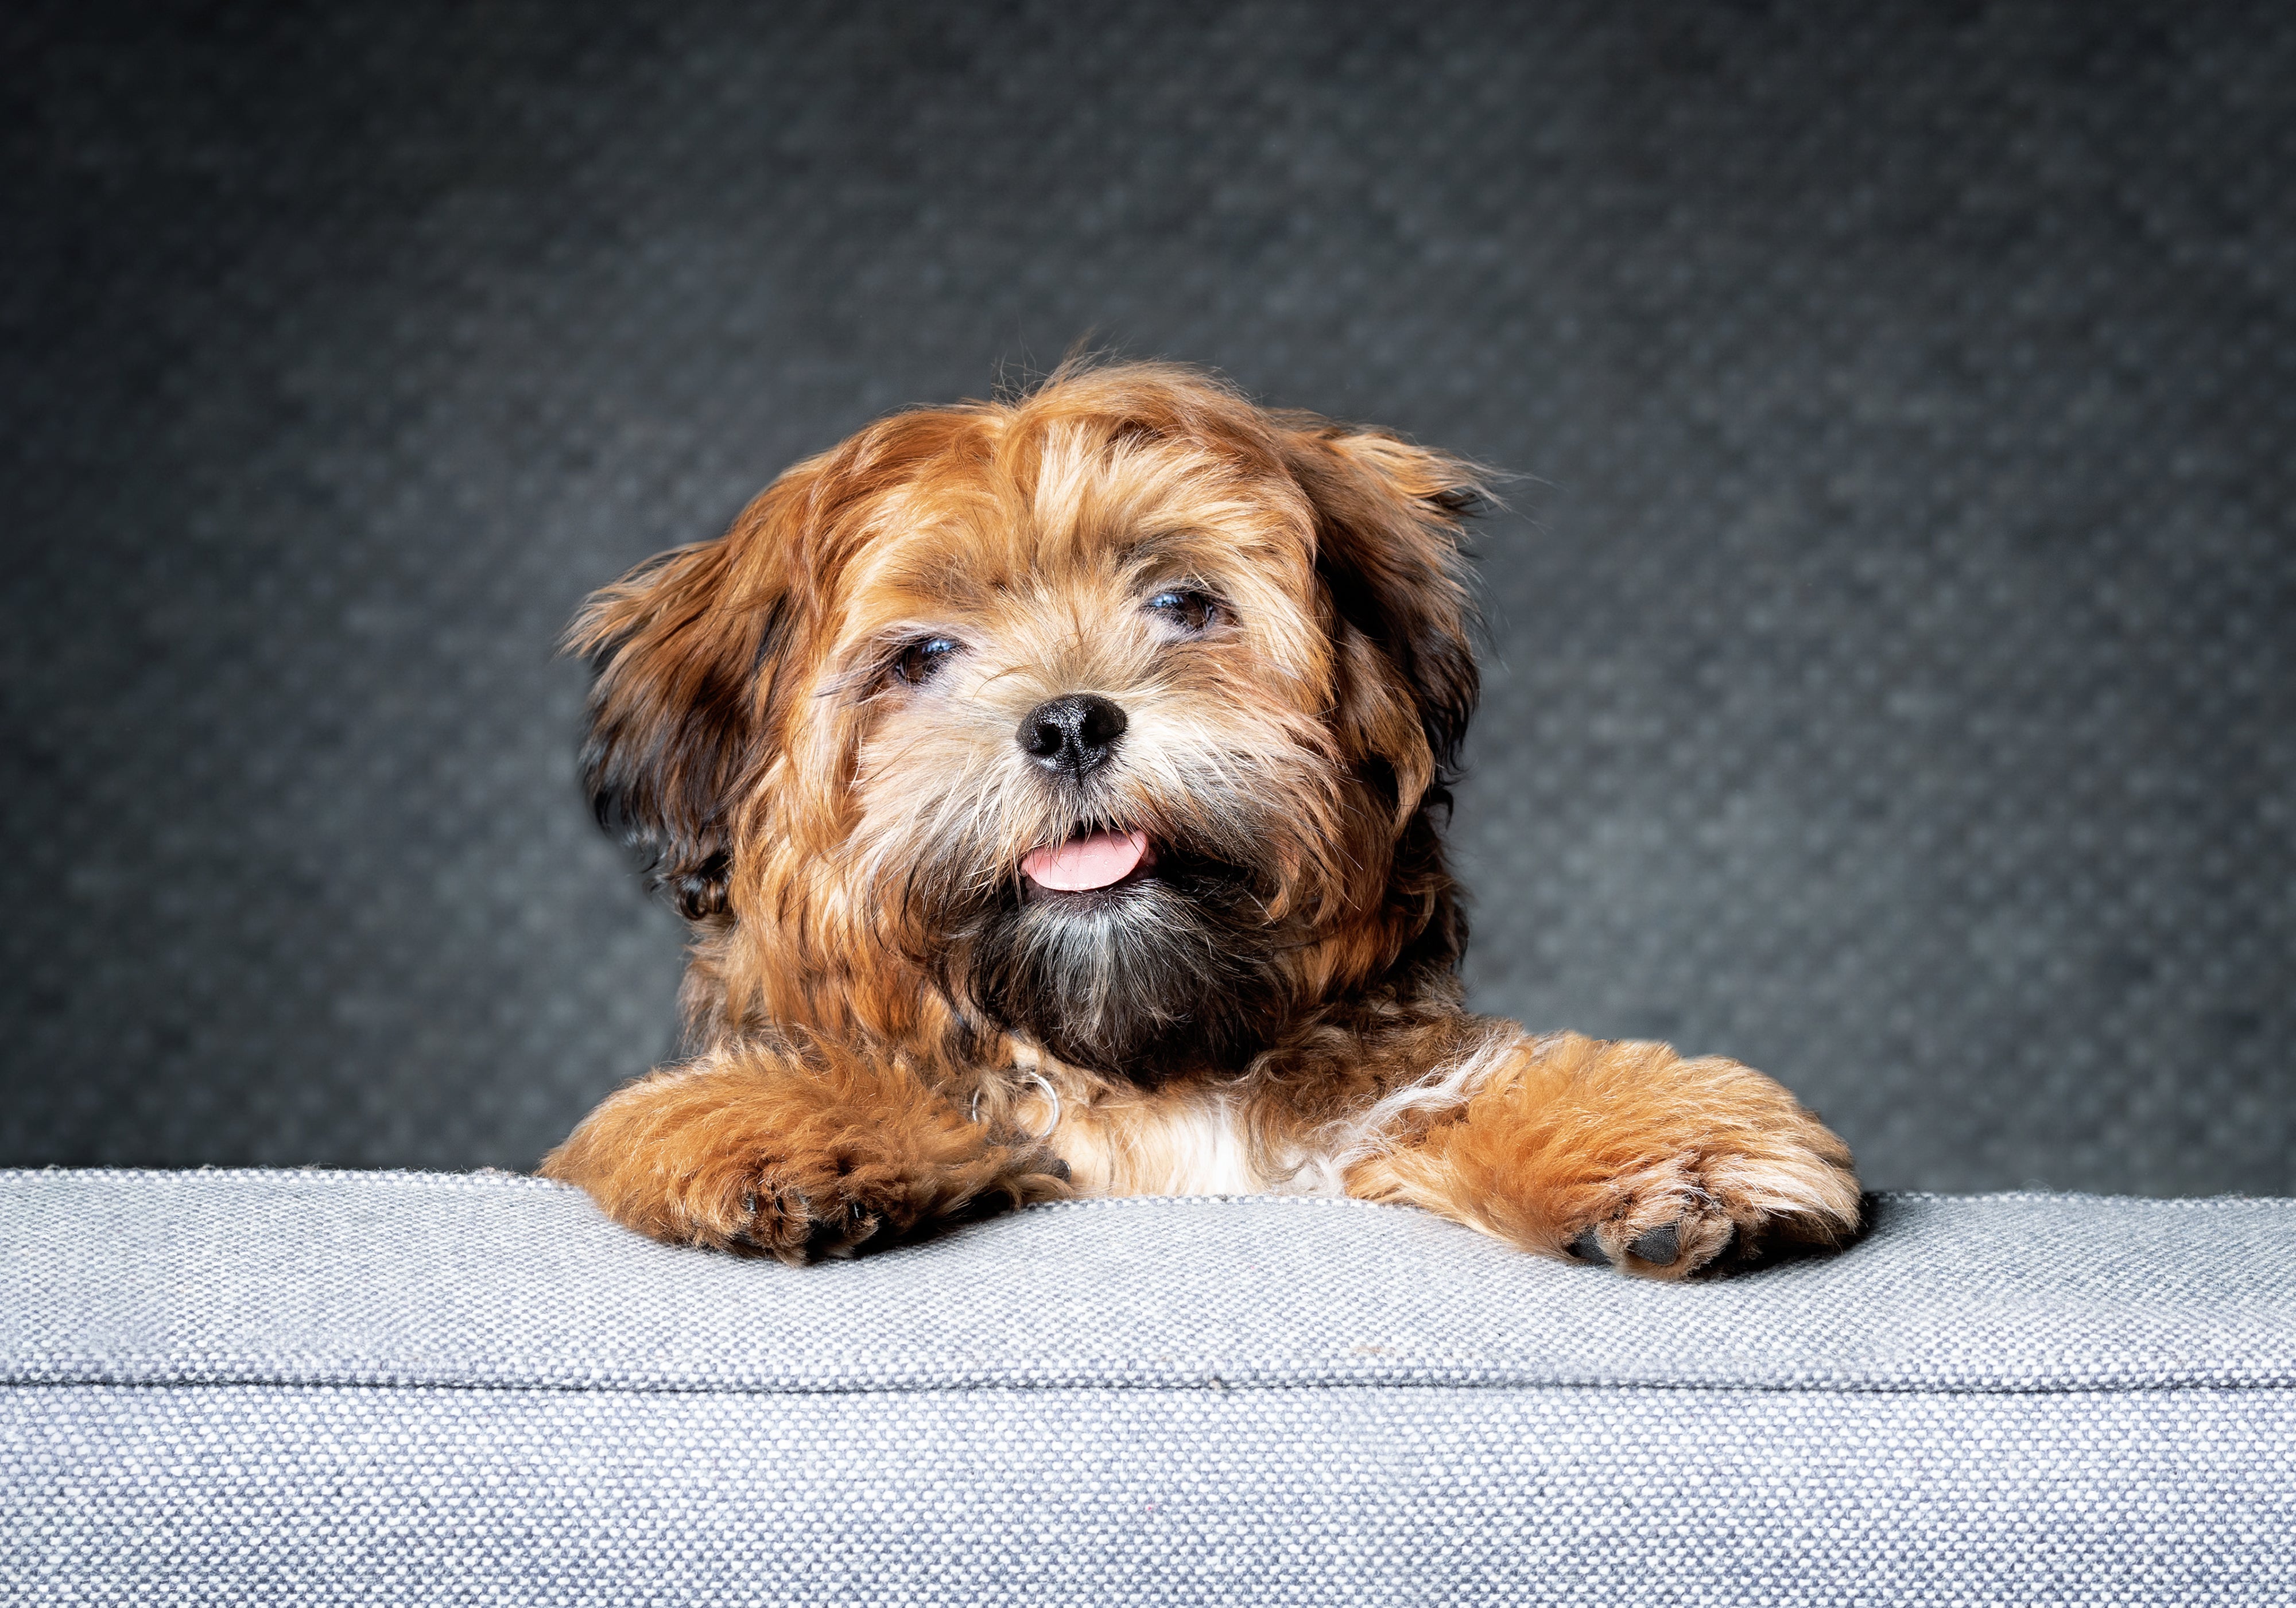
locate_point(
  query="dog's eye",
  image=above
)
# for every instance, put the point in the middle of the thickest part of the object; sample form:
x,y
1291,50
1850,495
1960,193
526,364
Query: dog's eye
x,y
923,657
1190,611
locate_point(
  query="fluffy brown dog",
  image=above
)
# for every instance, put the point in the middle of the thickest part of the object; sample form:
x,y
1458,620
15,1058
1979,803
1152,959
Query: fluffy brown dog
x,y
1053,787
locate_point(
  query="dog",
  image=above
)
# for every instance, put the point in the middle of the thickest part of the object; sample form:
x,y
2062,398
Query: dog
x,y
1054,787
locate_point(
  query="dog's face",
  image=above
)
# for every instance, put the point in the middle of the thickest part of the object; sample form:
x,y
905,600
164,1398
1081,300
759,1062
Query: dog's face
x,y
1112,719
1093,785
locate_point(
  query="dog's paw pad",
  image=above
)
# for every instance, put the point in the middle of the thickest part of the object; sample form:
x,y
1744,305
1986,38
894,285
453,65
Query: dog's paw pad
x,y
1691,1225
770,1217
1668,1235
1588,1248
1661,1246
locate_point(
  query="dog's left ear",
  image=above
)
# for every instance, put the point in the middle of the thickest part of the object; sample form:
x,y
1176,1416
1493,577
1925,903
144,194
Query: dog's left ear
x,y
1389,516
683,652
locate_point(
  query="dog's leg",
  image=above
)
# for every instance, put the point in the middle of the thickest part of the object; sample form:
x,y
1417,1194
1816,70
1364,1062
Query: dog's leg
x,y
1622,1154
763,1153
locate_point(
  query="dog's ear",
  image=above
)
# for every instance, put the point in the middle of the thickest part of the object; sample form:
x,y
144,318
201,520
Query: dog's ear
x,y
1388,527
682,651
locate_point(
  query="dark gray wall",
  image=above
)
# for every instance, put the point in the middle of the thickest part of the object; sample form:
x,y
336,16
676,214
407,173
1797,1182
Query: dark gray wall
x,y
1891,680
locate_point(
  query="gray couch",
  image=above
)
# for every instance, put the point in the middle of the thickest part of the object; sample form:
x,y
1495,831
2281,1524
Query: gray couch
x,y
308,1387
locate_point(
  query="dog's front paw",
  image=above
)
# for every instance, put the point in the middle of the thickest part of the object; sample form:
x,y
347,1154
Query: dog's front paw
x,y
1693,1164
1627,1155
780,1213
827,1206
799,1163
1709,1207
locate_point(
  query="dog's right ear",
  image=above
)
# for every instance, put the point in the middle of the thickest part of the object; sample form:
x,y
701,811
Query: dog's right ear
x,y
682,651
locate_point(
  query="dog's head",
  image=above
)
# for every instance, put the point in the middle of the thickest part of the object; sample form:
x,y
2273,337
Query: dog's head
x,y
1114,717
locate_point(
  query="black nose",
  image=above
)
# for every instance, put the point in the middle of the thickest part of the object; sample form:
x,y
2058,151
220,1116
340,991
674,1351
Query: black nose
x,y
1073,734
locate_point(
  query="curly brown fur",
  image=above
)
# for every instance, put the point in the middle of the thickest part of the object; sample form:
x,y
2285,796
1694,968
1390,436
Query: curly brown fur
x,y
760,1149
1222,655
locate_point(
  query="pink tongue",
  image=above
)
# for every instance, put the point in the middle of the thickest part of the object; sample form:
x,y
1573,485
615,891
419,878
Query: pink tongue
x,y
1090,862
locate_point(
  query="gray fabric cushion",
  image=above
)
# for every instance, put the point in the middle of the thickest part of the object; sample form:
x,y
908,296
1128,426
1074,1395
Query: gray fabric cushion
x,y
310,1386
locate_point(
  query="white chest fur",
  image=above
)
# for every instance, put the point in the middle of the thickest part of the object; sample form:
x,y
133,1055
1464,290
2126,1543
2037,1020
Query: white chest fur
x,y
1194,1143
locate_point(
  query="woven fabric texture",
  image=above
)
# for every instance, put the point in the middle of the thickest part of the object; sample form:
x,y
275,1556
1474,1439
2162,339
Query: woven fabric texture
x,y
1441,1497
1893,672
319,1278
312,1387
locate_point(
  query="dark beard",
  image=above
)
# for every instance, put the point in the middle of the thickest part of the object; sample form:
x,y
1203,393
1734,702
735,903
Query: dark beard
x,y
1169,975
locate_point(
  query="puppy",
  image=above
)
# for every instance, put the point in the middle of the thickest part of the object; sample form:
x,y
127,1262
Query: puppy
x,y
1054,788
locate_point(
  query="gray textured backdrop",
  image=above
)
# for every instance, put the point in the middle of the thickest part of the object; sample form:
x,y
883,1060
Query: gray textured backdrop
x,y
1891,674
